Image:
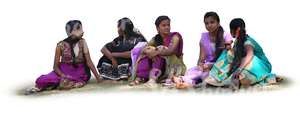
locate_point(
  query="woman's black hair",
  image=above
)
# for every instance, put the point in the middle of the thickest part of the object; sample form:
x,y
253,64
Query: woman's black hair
x,y
71,24
128,28
240,50
220,43
158,40
71,41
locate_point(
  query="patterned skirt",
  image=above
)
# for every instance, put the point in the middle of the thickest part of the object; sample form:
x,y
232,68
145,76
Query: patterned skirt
x,y
257,71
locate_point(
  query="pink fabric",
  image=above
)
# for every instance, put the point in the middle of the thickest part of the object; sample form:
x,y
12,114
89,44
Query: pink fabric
x,y
52,79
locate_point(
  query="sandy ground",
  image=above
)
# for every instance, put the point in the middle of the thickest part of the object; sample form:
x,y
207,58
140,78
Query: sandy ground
x,y
122,86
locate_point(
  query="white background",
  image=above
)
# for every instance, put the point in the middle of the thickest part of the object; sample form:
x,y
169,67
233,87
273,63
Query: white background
x,y
30,30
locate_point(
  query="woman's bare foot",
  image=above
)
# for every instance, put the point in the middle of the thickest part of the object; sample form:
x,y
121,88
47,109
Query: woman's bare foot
x,y
78,85
279,79
151,83
32,90
134,82
176,80
65,84
182,86
245,83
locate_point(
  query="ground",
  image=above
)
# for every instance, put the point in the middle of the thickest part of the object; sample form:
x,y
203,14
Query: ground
x,y
122,86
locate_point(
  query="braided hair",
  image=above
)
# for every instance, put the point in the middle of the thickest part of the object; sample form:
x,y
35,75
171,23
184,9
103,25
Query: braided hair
x,y
70,26
127,27
240,50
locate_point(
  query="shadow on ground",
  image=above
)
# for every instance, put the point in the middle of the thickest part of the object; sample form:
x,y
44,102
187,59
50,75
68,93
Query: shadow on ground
x,y
122,86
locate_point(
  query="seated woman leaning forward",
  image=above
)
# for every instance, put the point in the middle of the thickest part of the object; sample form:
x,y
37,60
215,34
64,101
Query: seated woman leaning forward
x,y
244,65
116,60
72,63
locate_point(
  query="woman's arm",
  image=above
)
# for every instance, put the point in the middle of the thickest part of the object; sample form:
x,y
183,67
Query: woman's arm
x,y
201,61
201,55
245,61
171,49
126,54
248,58
91,65
89,62
57,62
228,45
109,55
106,53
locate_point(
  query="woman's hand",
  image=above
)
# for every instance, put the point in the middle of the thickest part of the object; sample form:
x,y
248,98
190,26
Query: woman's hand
x,y
114,62
98,78
152,54
200,66
237,73
161,47
205,67
227,46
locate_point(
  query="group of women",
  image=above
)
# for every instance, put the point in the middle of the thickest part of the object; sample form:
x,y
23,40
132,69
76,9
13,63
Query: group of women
x,y
223,61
